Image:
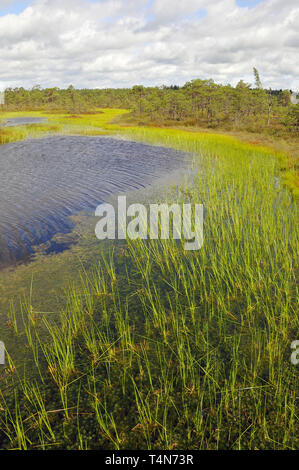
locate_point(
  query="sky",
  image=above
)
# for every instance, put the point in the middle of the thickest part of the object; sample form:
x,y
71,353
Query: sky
x,y
121,43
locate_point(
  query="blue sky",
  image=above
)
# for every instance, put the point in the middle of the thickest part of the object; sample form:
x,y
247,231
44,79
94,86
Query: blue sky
x,y
14,7
17,6
248,3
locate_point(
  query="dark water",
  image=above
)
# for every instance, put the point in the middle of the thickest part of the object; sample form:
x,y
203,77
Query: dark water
x,y
44,181
23,120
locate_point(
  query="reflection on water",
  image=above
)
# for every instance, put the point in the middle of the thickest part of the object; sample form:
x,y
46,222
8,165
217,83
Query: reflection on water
x,y
44,181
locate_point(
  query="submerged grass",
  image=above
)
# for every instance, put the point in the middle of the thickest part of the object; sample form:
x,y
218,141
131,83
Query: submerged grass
x,y
161,348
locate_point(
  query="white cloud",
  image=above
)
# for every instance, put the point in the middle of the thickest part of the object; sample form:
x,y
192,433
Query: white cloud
x,y
110,43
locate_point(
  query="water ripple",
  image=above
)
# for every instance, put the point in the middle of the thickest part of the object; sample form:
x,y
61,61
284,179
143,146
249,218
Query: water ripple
x,y
43,181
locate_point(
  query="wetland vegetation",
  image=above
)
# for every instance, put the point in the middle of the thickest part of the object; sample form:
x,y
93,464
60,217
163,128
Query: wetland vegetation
x,y
142,345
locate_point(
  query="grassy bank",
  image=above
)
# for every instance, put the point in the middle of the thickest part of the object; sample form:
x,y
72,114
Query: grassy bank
x,y
113,121
224,145
83,124
160,348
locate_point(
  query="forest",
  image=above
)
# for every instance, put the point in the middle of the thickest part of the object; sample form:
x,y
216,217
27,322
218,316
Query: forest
x,y
198,103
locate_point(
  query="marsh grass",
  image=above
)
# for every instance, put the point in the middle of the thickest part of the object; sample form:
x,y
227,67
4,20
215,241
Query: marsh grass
x,y
109,122
83,124
161,348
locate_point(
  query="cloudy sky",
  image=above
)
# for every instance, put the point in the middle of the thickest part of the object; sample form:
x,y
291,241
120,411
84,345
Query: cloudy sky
x,y
119,43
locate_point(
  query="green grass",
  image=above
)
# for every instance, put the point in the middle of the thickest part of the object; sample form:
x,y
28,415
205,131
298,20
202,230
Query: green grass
x,y
108,122
83,124
159,348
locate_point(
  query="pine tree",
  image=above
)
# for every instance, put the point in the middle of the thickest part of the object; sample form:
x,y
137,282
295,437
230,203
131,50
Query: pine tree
x,y
258,82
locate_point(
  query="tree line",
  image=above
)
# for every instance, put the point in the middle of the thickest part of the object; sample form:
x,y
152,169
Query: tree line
x,y
201,103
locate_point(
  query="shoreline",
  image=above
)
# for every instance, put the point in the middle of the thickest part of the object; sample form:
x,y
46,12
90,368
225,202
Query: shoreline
x,y
76,173
141,328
